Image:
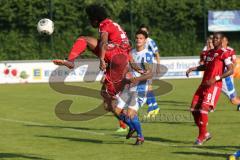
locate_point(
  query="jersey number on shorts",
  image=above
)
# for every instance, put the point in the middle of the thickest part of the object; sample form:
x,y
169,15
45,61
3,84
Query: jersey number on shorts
x,y
209,97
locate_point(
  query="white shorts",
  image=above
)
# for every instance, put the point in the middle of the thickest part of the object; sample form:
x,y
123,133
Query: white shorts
x,y
228,87
131,98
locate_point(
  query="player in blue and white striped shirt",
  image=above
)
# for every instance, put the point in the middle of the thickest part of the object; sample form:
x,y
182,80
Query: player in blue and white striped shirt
x,y
151,45
135,95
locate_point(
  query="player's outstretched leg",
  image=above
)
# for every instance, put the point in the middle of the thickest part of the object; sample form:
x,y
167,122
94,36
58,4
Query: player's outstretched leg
x,y
78,48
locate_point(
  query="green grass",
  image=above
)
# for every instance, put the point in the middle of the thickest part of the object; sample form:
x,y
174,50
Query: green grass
x,y
31,130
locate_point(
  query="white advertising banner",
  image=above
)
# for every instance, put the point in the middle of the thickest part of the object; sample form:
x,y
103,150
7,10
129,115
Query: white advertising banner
x,y
86,70
177,67
224,21
38,72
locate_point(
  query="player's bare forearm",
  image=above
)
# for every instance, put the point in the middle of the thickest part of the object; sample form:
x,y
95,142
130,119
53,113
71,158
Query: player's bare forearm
x,y
228,72
103,51
135,66
147,75
157,57
103,46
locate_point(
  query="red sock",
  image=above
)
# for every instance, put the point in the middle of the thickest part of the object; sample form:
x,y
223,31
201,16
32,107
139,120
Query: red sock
x,y
122,124
78,47
196,116
203,124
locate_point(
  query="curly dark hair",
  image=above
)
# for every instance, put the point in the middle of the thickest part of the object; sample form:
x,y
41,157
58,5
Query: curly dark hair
x,y
96,12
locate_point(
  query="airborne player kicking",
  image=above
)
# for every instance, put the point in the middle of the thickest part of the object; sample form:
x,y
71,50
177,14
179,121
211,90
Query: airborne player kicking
x,y
112,48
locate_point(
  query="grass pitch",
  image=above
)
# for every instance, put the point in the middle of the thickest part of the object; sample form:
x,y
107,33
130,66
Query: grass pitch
x,y
31,130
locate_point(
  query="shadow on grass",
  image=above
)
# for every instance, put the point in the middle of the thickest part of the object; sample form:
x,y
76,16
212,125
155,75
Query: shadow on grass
x,y
69,127
158,139
72,139
84,140
222,147
174,103
17,155
165,140
207,154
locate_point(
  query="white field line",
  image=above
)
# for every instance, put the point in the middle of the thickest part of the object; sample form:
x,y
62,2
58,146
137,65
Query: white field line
x,y
104,134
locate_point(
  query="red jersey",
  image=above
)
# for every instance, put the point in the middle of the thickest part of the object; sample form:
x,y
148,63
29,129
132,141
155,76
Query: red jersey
x,y
215,62
116,35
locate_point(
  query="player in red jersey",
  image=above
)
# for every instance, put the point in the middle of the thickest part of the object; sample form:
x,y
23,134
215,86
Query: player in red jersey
x,y
207,94
112,48
228,87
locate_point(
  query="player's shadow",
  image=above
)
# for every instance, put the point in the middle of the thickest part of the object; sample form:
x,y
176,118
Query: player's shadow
x,y
69,127
158,139
84,140
222,147
153,121
173,103
72,139
17,155
165,140
207,154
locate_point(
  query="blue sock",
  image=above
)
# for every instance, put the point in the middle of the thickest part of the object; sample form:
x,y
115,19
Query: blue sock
x,y
237,154
137,126
126,120
151,101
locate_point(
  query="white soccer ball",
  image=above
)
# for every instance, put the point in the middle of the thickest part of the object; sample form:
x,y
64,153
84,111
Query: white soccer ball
x,y
45,26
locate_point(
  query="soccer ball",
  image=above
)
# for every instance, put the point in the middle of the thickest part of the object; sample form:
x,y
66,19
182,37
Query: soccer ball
x,y
45,26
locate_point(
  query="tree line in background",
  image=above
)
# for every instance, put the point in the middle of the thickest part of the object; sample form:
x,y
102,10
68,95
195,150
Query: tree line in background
x,y
177,26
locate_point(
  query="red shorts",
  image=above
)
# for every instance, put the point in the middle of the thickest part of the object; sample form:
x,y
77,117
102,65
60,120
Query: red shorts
x,y
117,59
206,97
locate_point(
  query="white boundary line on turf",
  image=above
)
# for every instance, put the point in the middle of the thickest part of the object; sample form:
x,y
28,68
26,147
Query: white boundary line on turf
x,y
104,134
19,121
